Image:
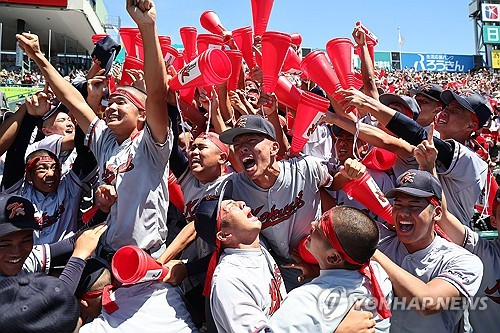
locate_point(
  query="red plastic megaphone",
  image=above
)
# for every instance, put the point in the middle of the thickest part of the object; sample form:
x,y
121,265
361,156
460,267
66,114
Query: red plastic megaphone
x,y
212,67
139,47
236,58
165,40
296,39
98,37
128,37
287,93
310,110
292,61
304,252
130,63
170,54
209,41
290,120
179,62
210,21
341,52
175,195
261,11
132,265
366,192
370,35
243,37
379,159
316,66
275,45
188,36
371,49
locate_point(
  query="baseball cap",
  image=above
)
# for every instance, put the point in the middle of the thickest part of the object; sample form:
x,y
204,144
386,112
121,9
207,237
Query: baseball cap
x,y
404,100
105,52
16,214
474,102
248,124
432,91
56,106
37,303
205,222
417,183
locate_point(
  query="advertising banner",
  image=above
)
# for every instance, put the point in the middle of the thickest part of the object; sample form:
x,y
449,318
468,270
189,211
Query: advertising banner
x,y
438,62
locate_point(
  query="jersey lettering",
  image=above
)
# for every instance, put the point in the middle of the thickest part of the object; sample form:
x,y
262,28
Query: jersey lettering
x,y
274,291
111,170
490,291
275,216
47,220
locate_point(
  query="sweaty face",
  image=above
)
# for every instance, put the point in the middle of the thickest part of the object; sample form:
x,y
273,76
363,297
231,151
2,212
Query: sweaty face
x,y
241,223
429,108
413,218
453,121
14,249
45,176
253,152
204,157
61,124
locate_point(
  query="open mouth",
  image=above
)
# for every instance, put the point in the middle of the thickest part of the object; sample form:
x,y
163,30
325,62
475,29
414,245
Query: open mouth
x,y
14,261
248,163
406,226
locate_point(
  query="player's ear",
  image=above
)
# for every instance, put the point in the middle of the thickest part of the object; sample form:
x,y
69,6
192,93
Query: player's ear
x,y
438,213
275,147
223,158
84,303
223,236
334,258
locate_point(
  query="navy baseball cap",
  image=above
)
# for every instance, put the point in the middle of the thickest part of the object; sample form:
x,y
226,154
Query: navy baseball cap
x,y
248,124
16,214
432,91
105,52
417,183
205,222
474,102
56,106
37,303
404,100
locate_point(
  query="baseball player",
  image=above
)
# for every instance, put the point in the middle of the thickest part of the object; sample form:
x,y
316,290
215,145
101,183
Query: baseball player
x,y
285,194
429,274
131,148
428,97
342,241
462,173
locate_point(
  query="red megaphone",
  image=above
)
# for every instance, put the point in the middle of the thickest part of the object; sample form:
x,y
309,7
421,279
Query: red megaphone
x,y
188,36
296,39
236,58
211,67
209,41
292,61
130,63
304,252
379,159
316,67
275,45
175,194
371,49
310,110
287,93
290,120
139,47
165,40
179,62
210,21
341,52
98,37
261,11
243,37
170,54
366,192
132,265
128,37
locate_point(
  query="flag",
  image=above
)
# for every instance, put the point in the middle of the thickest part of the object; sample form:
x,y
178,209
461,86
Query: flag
x,y
400,38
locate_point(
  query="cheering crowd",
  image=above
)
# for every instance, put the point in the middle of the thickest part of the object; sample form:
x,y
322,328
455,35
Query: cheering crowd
x,y
219,207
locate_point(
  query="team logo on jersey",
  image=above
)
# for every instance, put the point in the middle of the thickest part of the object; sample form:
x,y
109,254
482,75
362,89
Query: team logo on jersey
x,y
111,171
47,220
275,290
242,122
16,209
275,216
490,291
408,177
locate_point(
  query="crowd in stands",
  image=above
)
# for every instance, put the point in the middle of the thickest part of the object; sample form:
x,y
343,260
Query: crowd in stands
x,y
160,206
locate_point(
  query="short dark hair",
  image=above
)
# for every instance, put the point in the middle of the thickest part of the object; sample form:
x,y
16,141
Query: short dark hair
x,y
357,233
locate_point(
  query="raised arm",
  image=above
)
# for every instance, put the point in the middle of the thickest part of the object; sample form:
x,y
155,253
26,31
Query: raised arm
x,y
367,70
64,91
143,12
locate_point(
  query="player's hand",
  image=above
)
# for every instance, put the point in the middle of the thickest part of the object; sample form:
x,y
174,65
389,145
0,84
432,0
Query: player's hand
x,y
359,36
357,321
176,272
143,12
352,169
96,87
137,77
309,271
38,105
86,242
426,153
29,44
355,98
269,102
106,196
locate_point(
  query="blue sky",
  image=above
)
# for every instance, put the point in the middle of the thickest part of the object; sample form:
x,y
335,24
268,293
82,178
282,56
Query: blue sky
x,y
438,26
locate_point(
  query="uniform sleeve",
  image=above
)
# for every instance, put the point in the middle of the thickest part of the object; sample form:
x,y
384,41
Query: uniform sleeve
x,y
319,172
233,307
464,272
99,138
158,154
38,260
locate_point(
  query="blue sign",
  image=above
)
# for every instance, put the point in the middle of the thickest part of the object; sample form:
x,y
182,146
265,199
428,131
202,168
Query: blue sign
x,y
438,62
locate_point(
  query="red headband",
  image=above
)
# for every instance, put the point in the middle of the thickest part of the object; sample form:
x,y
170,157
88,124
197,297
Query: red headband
x,y
214,137
44,158
366,269
131,97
